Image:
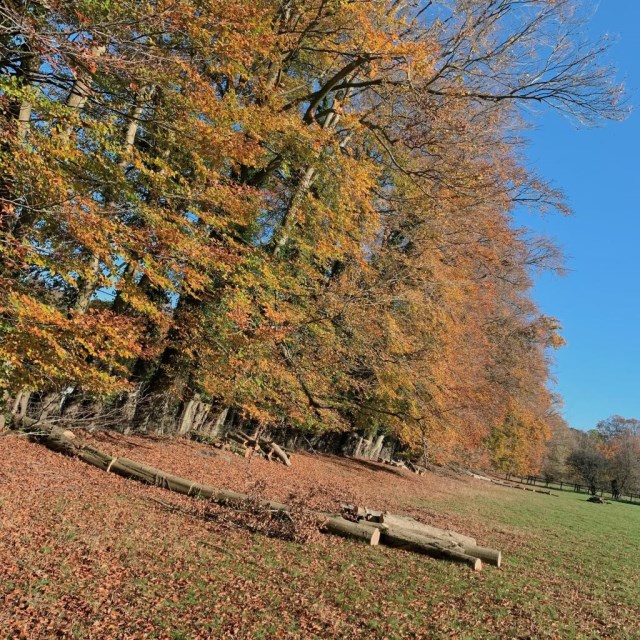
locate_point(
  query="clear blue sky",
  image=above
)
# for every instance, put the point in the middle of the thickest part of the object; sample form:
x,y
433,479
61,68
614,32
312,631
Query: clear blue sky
x,y
598,302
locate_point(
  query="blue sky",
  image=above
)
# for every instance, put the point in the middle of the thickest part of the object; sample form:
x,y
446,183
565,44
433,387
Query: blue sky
x,y
598,301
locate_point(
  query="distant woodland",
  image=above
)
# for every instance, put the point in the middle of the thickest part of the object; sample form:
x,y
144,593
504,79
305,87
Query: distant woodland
x,y
289,215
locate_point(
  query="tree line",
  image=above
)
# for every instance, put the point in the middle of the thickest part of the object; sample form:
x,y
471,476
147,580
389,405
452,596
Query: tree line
x,y
298,213
605,458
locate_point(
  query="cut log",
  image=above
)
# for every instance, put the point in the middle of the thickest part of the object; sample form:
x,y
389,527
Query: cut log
x,y
453,547
416,468
410,524
510,485
238,437
432,535
348,529
490,556
57,440
243,435
280,453
262,446
432,547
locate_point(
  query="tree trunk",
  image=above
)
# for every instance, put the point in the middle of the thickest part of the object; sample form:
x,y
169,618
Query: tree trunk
x,y
347,529
217,426
486,554
432,547
86,286
20,404
376,448
193,416
413,526
65,442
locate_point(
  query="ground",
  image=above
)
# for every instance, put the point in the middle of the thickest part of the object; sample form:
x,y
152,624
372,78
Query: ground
x,y
85,554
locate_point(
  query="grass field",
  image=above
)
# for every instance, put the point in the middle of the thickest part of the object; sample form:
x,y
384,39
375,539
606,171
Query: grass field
x,y
84,554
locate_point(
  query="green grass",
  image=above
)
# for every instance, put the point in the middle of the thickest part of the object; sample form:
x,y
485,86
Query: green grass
x,y
571,571
573,567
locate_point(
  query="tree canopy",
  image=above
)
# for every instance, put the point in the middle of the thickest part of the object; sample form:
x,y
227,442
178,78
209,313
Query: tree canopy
x,y
302,210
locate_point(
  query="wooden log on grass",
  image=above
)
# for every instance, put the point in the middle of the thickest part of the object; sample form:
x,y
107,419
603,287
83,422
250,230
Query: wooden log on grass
x,y
348,529
65,442
430,534
150,475
432,547
486,554
410,524
445,547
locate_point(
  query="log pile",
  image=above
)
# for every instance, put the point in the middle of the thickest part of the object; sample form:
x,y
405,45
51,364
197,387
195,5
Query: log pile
x,y
407,533
405,464
246,446
359,523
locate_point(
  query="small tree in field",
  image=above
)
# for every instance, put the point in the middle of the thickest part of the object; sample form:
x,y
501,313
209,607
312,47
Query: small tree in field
x,y
590,465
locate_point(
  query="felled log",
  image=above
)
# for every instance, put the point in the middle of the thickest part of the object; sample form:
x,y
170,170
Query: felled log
x,y
65,442
349,529
410,524
237,437
432,547
416,468
150,475
486,554
280,453
502,483
262,446
466,544
431,535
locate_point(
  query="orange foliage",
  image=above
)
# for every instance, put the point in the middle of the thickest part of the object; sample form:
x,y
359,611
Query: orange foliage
x,y
301,210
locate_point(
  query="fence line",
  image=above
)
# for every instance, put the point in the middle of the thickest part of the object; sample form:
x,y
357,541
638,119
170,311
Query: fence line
x,y
567,486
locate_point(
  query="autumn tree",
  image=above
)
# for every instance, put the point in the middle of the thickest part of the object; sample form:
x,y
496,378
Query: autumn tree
x,y
589,463
562,442
299,212
621,446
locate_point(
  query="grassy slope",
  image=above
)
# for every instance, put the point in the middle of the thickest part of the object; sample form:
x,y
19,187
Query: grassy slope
x,y
87,555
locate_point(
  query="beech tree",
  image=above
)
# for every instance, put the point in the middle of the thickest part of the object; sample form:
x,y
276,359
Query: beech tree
x,y
297,212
